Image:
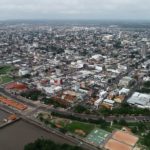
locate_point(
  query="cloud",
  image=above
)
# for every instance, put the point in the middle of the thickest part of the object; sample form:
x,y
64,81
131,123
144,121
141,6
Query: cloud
x,y
74,9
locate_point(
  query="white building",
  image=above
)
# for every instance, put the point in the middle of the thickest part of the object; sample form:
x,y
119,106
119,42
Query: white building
x,y
97,57
107,37
124,91
23,72
102,94
109,102
140,100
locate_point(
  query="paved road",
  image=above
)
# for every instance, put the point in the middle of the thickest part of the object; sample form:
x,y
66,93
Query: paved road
x,y
42,107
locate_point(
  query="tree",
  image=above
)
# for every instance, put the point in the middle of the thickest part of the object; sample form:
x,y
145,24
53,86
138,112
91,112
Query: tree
x,y
46,122
80,109
135,130
42,144
41,118
146,140
115,121
63,130
122,122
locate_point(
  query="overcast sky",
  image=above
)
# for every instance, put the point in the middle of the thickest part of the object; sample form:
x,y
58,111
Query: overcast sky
x,y
75,9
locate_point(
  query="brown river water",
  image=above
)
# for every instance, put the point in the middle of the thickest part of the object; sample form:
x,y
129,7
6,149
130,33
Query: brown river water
x,y
18,134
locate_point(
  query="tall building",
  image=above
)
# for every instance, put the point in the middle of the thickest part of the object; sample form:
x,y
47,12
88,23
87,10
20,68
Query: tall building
x,y
144,52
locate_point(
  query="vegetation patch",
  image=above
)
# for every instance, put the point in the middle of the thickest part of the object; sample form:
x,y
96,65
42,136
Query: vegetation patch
x,y
145,87
75,126
81,109
5,79
5,69
51,101
33,95
42,144
67,125
125,109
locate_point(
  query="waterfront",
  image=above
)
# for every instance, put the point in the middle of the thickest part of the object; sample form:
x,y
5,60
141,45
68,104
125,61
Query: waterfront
x,y
3,114
18,134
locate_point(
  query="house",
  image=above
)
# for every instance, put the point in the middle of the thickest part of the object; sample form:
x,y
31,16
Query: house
x,y
126,81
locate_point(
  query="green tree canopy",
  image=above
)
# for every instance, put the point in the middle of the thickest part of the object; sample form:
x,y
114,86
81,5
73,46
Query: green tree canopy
x,y
42,144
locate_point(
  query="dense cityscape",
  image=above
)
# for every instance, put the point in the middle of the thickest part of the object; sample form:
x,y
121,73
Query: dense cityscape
x,y
82,84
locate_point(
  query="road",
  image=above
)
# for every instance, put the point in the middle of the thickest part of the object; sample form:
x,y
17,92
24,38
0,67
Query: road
x,y
128,118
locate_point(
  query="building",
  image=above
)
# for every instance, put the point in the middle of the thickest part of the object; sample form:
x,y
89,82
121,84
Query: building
x,y
143,52
119,99
124,91
126,81
108,103
23,72
103,94
140,100
98,102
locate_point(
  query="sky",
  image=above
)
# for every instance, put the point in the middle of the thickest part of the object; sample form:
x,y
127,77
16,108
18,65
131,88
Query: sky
x,y
75,9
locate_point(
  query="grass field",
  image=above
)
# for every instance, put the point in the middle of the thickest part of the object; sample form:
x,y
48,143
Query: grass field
x,y
69,125
5,69
5,79
74,125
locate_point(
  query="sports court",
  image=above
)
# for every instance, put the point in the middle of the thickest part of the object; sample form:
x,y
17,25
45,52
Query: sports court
x,y
121,140
97,136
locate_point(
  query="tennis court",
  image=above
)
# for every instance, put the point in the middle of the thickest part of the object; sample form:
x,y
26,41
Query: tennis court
x,y
97,136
